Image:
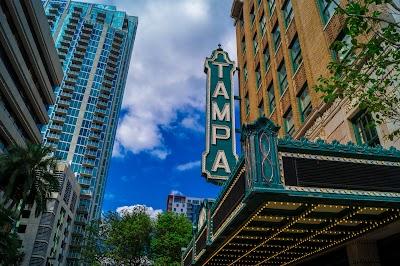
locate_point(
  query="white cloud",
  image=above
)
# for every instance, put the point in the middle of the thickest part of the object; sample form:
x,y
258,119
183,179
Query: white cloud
x,y
166,72
188,166
138,207
176,192
192,122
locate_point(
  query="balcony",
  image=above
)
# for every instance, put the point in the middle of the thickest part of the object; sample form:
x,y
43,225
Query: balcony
x,y
118,39
116,45
83,41
105,90
101,105
75,67
94,136
53,137
86,193
79,54
93,144
89,162
96,127
70,81
51,16
91,153
67,37
113,57
58,118
107,83
72,26
68,88
61,111
79,220
84,181
98,119
86,172
74,19
85,34
63,49
111,63
62,55
100,112
51,145
55,128
81,48
111,69
73,74
114,51
108,76
104,96
77,60
64,42
65,95
63,103
76,14
83,209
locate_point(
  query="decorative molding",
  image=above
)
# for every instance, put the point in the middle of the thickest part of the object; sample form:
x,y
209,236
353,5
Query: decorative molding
x,y
349,150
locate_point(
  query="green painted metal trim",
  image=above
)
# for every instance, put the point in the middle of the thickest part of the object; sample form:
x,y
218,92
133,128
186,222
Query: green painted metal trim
x,y
349,150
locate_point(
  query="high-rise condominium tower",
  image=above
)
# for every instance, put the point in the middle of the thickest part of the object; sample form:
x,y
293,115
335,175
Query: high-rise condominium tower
x,y
95,44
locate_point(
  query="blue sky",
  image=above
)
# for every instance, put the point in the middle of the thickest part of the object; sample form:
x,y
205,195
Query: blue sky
x,y
160,136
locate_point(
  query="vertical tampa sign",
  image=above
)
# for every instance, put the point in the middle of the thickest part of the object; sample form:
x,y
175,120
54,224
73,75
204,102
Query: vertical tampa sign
x,y
220,157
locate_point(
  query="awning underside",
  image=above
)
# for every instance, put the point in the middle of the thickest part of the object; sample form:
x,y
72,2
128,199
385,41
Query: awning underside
x,y
282,232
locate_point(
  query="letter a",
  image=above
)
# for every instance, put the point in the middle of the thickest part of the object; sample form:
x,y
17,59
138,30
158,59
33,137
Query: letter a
x,y
221,162
220,90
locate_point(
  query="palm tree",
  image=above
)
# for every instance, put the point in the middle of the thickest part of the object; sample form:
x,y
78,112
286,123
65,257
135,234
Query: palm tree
x,y
28,174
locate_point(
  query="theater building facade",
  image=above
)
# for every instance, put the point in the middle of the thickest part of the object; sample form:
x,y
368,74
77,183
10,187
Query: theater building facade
x,y
314,184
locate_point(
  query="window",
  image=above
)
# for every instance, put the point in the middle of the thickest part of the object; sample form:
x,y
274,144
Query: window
x,y
327,9
243,44
255,45
259,3
288,12
295,53
271,6
247,104
267,58
289,122
21,228
304,100
245,72
261,109
342,46
276,35
263,24
365,129
25,213
252,16
258,77
271,98
282,76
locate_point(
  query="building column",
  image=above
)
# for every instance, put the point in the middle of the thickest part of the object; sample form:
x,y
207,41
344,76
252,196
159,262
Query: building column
x,y
363,253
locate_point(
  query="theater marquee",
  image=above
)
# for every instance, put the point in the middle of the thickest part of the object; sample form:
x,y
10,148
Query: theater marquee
x,y
220,156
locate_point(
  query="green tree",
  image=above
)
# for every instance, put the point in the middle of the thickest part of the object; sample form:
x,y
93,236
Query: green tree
x,y
128,237
171,233
27,173
94,250
10,243
367,70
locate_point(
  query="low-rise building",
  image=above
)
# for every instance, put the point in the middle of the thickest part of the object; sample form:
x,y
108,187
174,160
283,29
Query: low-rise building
x,y
46,239
188,206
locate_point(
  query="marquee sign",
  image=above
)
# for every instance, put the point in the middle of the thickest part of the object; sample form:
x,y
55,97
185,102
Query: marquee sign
x,y
220,156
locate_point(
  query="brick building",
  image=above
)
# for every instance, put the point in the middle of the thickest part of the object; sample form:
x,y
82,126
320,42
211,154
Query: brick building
x,y
283,48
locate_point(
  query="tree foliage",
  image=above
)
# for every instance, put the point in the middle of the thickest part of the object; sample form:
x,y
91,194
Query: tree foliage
x,y
133,238
10,243
171,233
368,71
27,174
